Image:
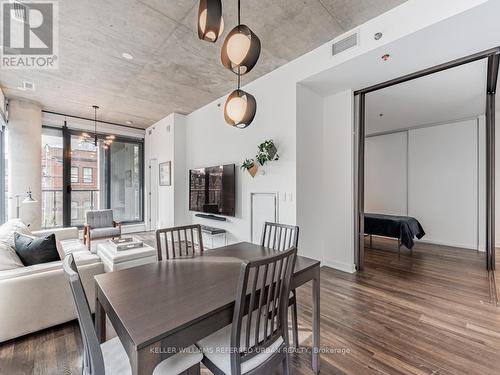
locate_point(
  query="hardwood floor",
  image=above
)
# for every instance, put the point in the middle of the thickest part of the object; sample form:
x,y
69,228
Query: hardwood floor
x,y
426,313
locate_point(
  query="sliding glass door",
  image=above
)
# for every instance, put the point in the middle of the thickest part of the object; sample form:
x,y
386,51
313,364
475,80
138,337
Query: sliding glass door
x,y
97,178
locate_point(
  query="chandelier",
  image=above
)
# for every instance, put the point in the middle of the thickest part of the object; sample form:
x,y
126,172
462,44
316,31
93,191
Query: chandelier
x,y
86,137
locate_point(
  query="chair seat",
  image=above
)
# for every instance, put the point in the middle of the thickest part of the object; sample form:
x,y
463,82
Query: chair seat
x,y
216,347
116,360
104,232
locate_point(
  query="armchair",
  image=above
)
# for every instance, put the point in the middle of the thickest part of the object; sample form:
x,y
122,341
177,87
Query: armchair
x,y
100,224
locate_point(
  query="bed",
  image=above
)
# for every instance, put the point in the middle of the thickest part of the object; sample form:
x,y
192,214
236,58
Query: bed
x,y
404,228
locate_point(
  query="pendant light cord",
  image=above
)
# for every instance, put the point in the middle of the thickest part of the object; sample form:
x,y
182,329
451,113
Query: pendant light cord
x,y
239,12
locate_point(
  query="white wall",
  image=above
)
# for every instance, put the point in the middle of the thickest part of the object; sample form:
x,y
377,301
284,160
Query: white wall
x,y
310,172
165,141
497,182
210,141
338,181
386,174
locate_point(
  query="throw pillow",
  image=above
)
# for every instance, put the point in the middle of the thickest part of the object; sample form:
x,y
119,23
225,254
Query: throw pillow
x,y
8,258
8,229
36,250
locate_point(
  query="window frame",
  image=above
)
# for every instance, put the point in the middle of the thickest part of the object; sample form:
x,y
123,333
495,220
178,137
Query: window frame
x,y
84,181
77,175
66,134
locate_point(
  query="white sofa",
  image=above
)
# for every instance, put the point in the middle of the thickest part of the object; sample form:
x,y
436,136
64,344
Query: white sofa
x,y
37,297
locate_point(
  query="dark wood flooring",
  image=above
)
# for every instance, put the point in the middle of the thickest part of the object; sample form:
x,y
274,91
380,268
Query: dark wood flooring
x,y
426,313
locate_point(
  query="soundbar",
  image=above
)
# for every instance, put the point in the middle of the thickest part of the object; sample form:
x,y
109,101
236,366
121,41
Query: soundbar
x,y
212,217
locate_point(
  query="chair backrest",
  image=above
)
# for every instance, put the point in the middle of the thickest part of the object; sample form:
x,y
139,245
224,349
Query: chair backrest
x,y
260,312
99,218
93,363
279,236
179,241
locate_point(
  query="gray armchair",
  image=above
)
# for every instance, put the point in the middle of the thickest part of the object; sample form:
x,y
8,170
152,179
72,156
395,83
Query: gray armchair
x,y
100,224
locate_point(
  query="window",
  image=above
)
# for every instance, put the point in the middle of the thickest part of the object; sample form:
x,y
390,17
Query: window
x,y
74,210
126,180
99,178
74,175
87,175
52,178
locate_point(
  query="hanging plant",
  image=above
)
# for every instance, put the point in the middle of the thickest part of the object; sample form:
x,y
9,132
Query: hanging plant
x,y
250,166
267,152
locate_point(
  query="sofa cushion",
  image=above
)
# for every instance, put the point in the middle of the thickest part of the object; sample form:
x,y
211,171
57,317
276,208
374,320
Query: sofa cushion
x,y
104,232
71,246
8,257
100,218
8,229
36,250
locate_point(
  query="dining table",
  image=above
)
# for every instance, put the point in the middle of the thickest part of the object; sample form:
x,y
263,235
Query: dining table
x,y
158,308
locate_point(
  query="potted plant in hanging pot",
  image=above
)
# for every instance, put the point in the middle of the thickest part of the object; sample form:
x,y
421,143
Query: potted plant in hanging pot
x,y
267,152
250,166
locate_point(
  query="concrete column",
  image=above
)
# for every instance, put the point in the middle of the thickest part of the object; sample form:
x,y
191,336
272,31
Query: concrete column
x,y
24,159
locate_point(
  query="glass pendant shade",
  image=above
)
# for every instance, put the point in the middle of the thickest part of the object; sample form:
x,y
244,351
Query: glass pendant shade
x,y
210,21
241,50
240,109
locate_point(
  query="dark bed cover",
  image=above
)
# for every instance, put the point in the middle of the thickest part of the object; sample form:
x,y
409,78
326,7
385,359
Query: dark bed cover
x,y
404,228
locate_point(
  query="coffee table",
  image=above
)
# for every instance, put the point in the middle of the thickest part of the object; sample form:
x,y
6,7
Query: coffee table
x,y
114,260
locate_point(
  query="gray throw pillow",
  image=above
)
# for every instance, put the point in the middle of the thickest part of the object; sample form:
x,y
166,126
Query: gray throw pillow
x,y
36,250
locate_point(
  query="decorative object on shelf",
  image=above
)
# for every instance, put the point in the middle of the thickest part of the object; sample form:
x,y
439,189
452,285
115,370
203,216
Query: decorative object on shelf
x,y
210,20
165,173
86,137
240,108
241,48
250,166
267,152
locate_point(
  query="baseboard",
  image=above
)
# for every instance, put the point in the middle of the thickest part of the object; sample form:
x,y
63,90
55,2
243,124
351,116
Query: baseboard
x,y
442,243
345,267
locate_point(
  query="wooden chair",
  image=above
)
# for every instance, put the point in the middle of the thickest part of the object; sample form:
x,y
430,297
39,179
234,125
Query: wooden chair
x,y
99,224
257,340
110,357
179,241
280,237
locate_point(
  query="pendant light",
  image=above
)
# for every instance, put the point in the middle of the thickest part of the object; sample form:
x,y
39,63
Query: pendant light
x,y
210,21
85,137
241,48
240,108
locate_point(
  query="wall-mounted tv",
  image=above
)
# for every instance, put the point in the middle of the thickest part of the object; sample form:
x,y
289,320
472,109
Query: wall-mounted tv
x,y
212,190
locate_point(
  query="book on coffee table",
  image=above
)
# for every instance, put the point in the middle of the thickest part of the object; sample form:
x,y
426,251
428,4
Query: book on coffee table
x,y
126,243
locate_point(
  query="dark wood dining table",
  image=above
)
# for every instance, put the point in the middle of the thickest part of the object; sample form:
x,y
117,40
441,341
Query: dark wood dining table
x,y
173,304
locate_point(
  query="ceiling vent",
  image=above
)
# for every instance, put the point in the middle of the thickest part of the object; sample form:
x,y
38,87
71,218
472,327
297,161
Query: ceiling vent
x,y
28,86
20,11
345,44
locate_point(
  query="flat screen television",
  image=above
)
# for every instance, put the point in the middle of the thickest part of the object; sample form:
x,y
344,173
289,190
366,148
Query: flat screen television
x,y
212,190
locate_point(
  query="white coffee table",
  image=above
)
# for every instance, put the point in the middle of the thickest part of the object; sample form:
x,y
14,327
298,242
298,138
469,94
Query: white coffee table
x,y
114,260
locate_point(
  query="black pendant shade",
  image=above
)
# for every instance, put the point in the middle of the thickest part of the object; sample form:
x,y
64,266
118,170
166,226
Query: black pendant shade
x,y
241,50
210,22
240,109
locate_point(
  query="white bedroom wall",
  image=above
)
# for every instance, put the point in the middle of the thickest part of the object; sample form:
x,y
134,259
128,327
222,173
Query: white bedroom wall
x,y
386,169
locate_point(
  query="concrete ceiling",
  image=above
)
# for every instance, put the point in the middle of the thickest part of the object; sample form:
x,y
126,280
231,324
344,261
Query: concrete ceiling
x,y
450,95
172,71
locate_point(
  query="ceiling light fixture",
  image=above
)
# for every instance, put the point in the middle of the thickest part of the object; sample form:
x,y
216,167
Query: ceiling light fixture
x,y
241,48
210,21
127,56
240,108
86,137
